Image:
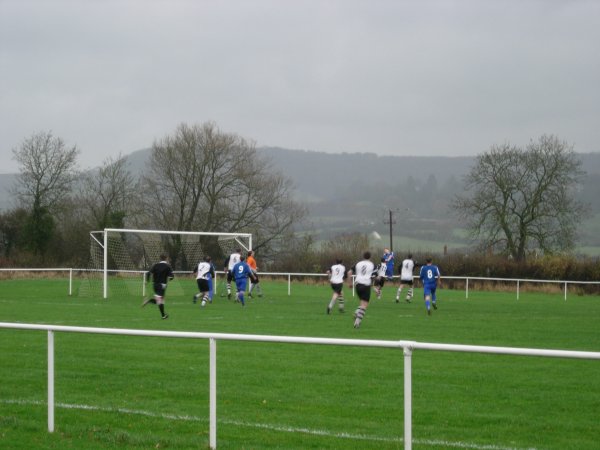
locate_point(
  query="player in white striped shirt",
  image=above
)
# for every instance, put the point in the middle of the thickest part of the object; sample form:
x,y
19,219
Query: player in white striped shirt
x,y
204,272
337,275
380,275
363,271
406,278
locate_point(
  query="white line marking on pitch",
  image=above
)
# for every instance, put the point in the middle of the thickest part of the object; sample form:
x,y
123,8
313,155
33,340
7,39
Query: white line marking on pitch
x,y
287,429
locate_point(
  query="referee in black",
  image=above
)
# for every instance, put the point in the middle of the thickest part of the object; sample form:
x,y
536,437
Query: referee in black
x,y
161,273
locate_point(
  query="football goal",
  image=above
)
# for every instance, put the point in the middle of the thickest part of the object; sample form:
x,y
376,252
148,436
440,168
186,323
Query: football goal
x,y
119,258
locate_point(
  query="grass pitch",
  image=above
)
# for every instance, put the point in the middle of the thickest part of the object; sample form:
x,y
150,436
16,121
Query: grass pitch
x,y
123,392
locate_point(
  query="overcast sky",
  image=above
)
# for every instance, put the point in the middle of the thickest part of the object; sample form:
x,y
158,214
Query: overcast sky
x,y
395,77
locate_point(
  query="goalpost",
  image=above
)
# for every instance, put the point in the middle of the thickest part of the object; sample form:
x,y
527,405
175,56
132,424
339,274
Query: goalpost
x,y
122,255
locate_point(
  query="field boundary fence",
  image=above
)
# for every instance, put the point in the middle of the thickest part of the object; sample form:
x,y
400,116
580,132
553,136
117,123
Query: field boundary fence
x,y
292,277
407,347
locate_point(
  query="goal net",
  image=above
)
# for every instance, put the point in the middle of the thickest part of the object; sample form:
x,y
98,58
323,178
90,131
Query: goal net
x,y
119,258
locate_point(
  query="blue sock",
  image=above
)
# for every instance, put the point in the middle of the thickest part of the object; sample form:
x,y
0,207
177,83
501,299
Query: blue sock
x,y
242,299
427,304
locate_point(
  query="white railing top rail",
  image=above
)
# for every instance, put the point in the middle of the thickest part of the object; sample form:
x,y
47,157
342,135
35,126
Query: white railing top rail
x,y
528,280
54,269
411,345
300,274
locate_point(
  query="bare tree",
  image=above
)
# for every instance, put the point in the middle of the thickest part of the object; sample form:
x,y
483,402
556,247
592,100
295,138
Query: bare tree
x,y
519,200
200,178
48,170
108,194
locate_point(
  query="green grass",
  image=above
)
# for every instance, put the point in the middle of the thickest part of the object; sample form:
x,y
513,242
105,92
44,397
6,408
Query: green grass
x,y
123,392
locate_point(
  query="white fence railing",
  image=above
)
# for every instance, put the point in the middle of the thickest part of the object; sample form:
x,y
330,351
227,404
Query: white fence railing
x,y
288,276
62,269
407,346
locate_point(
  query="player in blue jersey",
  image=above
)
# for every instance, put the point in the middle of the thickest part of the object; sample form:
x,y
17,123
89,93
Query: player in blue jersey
x,y
241,272
430,277
211,277
388,257
231,261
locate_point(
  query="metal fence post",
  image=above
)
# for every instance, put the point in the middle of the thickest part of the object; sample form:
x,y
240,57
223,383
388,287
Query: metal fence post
x,y
407,398
50,381
213,393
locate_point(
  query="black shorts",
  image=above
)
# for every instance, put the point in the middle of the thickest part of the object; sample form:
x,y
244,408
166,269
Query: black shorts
x,y
407,282
363,292
337,287
255,281
229,276
202,285
379,281
160,289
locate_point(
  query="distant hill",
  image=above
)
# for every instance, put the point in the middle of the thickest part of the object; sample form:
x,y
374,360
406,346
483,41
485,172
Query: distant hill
x,y
326,176
6,183
320,176
355,191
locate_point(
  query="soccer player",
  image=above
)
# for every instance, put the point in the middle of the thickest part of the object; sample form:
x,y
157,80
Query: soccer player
x,y
380,275
430,277
161,273
212,276
253,284
406,278
241,272
363,270
231,261
389,260
204,272
337,275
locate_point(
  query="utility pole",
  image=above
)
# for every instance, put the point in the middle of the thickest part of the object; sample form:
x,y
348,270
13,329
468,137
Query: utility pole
x,y
391,222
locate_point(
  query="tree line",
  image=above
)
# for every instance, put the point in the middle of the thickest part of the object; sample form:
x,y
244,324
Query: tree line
x,y
198,178
514,202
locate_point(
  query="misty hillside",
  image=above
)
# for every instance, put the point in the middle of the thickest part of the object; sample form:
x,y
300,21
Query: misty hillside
x,y
355,192
6,183
327,176
330,176
320,176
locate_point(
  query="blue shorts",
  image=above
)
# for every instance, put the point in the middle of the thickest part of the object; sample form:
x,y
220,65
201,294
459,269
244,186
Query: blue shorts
x,y
241,284
210,286
429,290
